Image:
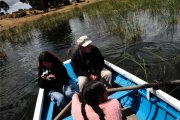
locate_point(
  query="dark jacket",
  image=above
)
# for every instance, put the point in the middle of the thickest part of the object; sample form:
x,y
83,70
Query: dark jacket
x,y
61,74
86,64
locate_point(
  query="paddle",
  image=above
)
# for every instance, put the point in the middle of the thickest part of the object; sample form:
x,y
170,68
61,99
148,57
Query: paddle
x,y
147,85
63,111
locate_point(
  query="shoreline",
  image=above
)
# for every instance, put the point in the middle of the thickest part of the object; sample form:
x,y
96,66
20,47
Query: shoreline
x,y
7,23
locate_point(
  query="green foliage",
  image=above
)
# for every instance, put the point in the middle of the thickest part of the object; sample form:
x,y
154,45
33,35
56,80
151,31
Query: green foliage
x,y
45,4
25,1
118,17
4,6
116,14
36,4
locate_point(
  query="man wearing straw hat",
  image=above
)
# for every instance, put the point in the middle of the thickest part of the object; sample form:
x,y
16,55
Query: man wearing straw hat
x,y
88,63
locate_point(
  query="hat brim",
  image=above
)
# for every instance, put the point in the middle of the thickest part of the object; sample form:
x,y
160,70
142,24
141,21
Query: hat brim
x,y
86,43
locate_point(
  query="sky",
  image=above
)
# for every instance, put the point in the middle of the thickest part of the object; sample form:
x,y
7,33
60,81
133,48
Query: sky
x,y
14,5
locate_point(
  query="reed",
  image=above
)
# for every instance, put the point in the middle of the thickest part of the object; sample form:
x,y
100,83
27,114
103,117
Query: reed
x,y
165,11
142,67
2,53
117,15
114,11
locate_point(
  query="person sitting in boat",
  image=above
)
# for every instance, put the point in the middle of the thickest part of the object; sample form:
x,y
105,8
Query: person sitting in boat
x,y
93,104
54,78
88,63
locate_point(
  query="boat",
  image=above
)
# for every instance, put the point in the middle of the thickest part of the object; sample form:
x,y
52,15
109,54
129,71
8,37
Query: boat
x,y
143,104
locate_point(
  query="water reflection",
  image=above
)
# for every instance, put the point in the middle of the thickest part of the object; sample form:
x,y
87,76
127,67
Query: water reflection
x,y
157,53
60,38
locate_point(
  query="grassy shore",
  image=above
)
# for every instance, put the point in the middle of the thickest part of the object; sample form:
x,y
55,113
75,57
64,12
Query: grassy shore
x,y
12,28
7,23
117,14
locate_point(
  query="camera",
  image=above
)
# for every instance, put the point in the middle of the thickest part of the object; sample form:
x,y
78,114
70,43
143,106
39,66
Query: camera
x,y
45,73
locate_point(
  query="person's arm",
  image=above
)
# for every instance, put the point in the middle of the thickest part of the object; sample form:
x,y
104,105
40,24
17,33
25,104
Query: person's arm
x,y
41,79
47,84
99,60
76,107
78,66
75,100
61,74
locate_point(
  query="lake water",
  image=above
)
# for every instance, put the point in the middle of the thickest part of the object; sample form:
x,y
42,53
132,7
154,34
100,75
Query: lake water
x,y
155,56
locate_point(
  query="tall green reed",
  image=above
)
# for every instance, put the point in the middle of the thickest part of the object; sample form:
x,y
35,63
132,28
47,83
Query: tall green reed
x,y
117,14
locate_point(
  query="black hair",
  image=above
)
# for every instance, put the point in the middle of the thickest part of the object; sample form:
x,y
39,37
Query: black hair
x,y
91,94
47,56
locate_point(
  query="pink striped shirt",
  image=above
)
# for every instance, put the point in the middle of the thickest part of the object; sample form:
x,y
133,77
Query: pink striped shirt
x,y
111,109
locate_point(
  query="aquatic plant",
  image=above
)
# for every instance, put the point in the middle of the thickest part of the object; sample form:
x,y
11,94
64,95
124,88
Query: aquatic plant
x,y
115,13
2,53
119,17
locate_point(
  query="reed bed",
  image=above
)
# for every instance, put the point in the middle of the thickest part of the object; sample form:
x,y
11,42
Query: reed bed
x,y
118,16
116,13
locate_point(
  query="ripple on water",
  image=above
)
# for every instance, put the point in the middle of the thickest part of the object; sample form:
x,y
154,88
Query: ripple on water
x,y
153,52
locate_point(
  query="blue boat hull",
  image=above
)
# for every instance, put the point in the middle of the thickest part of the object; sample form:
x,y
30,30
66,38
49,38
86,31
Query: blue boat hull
x,y
147,104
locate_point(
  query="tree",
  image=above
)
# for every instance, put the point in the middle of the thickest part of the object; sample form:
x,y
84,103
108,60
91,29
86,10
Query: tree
x,y
4,6
25,1
37,4
45,4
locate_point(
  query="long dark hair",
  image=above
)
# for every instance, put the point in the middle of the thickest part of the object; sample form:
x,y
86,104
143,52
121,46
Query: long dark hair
x,y
47,56
91,94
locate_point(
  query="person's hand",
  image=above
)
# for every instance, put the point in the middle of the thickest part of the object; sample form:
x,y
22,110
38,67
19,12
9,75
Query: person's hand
x,y
93,77
51,76
43,77
76,93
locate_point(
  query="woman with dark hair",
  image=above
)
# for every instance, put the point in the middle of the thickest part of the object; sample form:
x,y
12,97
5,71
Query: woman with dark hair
x,y
93,104
54,78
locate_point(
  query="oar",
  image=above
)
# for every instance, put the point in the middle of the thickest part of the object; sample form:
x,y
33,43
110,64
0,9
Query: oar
x,y
147,85
63,111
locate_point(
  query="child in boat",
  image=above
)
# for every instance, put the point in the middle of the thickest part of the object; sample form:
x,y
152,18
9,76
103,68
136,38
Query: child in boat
x,y
54,78
93,104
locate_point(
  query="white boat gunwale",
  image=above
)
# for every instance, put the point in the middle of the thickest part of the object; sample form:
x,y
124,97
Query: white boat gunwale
x,y
159,93
39,105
